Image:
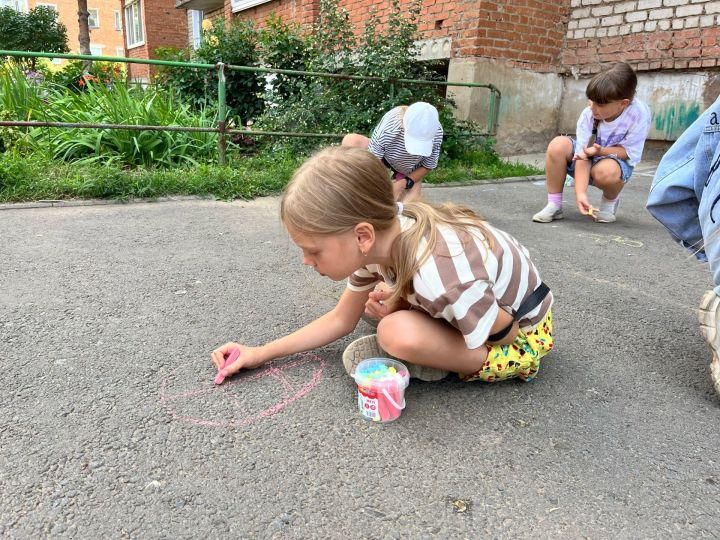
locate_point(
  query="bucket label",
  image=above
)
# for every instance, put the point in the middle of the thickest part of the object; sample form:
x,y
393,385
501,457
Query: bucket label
x,y
368,403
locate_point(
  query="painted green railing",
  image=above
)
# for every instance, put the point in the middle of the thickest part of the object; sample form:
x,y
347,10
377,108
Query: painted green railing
x,y
222,129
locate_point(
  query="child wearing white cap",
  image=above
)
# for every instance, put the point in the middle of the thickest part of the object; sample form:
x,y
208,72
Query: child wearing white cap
x,y
407,140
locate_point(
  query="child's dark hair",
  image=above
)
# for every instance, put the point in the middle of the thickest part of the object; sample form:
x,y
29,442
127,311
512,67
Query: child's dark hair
x,y
614,84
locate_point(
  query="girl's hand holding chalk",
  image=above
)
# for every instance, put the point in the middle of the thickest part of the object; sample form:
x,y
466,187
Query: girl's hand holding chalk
x,y
232,357
229,360
583,204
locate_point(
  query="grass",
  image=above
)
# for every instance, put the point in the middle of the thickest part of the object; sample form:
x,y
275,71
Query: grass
x,y
34,178
479,165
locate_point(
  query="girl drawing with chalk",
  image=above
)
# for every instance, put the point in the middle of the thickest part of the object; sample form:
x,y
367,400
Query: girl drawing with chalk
x,y
462,296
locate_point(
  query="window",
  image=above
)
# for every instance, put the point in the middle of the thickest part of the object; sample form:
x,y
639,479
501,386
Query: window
x,y
196,18
133,20
96,50
118,21
239,5
17,5
120,51
94,18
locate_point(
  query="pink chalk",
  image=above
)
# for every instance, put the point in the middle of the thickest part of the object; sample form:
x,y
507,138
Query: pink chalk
x,y
229,359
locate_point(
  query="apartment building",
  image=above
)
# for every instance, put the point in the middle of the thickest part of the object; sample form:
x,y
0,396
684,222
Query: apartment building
x,y
106,23
151,24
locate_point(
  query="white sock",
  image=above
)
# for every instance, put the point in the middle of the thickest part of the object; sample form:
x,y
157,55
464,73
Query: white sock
x,y
609,205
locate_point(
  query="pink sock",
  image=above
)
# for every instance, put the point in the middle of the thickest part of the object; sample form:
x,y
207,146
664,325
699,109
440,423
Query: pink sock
x,y
555,198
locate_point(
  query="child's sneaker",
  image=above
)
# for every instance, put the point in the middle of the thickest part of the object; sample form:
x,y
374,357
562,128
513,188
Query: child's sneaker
x,y
708,316
548,214
368,347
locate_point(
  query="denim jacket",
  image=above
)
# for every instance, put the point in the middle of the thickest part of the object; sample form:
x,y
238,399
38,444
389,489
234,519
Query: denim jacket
x,y
685,192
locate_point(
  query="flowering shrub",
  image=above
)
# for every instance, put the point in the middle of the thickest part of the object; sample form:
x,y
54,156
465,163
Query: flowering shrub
x,y
74,76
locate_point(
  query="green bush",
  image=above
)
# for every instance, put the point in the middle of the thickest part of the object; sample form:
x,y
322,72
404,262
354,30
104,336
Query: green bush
x,y
281,46
336,105
19,98
74,75
235,45
36,30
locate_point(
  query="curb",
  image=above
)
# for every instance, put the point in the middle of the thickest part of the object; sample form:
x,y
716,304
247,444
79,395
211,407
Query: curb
x,y
69,203
507,180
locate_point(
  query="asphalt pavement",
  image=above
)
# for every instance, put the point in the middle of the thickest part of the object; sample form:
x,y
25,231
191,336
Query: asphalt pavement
x,y
112,428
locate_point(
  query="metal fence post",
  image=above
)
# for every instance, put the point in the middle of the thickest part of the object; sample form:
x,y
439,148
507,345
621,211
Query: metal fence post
x,y
496,111
222,113
491,113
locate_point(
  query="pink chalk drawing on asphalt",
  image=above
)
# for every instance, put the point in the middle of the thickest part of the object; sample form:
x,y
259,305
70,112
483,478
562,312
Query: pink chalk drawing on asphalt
x,y
239,395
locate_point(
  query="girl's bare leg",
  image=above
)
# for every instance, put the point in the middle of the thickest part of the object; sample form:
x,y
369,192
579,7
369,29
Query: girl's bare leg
x,y
420,339
607,177
558,156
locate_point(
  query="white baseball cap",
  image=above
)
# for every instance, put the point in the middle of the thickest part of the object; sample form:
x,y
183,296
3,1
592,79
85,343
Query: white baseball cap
x,y
421,124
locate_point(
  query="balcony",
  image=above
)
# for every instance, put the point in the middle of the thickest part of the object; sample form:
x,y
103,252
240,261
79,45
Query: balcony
x,y
200,5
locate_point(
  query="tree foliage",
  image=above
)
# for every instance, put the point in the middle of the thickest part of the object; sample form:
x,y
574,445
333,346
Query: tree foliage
x,y
38,30
383,49
236,45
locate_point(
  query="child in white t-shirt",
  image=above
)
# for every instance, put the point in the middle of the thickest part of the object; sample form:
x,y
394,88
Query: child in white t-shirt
x,y
610,136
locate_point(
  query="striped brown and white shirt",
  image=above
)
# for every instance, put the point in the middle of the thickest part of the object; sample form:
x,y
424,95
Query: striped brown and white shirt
x,y
388,142
465,283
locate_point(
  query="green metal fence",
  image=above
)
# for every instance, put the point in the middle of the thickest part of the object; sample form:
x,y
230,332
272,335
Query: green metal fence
x,y
221,68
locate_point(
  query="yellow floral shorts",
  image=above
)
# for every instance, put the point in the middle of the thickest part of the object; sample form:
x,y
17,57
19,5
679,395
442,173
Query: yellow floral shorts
x,y
520,359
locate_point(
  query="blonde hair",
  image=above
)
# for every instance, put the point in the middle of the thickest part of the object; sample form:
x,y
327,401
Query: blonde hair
x,y
339,187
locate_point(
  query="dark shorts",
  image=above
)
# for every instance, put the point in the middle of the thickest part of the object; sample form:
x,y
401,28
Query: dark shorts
x,y
625,168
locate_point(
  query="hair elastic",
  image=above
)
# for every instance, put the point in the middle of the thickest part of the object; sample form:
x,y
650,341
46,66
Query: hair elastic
x,y
400,208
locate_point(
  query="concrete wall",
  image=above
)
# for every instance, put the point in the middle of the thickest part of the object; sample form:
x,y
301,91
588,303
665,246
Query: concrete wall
x,y
528,108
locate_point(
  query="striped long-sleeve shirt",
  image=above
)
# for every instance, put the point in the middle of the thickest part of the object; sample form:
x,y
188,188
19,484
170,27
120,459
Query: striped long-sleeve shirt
x,y
466,283
388,142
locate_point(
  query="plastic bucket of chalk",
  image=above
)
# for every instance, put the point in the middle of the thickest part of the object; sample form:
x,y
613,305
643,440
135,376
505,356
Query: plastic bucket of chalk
x,y
381,388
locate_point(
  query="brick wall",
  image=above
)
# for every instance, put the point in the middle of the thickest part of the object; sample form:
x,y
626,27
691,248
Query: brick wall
x,y
303,12
648,34
164,26
138,71
576,36
522,33
526,33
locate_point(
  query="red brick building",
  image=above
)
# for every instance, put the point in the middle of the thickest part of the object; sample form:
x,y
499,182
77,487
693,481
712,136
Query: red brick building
x,y
539,53
150,24
106,33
